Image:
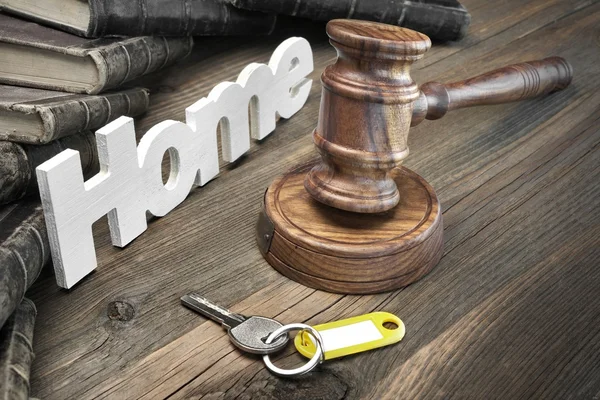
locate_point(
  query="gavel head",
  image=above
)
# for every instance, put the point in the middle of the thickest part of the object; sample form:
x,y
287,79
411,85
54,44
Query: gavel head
x,y
365,115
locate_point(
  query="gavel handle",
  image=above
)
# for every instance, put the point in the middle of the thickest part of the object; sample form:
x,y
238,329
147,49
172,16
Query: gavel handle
x,y
512,83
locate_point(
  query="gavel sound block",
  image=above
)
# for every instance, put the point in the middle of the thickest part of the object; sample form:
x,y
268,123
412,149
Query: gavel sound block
x,y
357,221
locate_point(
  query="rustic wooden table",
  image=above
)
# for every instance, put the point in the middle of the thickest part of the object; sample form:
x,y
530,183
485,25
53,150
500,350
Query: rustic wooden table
x,y
511,311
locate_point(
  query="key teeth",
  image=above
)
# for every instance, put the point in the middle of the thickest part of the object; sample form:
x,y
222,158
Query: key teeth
x,y
213,311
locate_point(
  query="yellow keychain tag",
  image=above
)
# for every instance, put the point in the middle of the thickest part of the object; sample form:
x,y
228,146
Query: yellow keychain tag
x,y
352,335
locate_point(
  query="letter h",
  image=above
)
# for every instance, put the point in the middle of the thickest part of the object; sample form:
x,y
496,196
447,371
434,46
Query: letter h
x,y
71,211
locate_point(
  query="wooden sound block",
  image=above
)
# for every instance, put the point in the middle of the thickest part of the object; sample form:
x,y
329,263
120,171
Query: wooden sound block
x,y
346,252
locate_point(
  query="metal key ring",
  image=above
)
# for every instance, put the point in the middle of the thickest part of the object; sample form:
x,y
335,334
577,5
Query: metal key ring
x,y
310,365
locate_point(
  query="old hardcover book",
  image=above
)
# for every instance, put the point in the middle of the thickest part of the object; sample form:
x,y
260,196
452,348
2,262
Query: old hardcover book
x,y
37,56
16,352
439,19
98,18
24,250
37,116
18,163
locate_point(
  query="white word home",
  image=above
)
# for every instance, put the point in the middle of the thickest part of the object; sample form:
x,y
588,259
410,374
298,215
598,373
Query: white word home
x,y
130,180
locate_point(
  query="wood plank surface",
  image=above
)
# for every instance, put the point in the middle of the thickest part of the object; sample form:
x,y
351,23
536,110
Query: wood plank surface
x,y
511,311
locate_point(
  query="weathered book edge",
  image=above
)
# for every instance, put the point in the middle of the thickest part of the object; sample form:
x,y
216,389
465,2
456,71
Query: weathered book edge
x,y
131,59
42,21
18,162
438,21
70,115
16,352
174,18
23,252
116,60
141,18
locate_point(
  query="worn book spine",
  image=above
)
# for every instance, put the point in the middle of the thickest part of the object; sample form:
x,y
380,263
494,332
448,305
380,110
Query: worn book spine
x,y
132,58
106,62
73,114
174,18
18,163
24,250
439,19
16,352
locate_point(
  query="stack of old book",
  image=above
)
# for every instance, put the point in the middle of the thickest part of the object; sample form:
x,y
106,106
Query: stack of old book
x,y
55,89
64,67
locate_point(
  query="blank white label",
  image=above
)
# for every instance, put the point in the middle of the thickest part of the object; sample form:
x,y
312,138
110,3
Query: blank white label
x,y
350,335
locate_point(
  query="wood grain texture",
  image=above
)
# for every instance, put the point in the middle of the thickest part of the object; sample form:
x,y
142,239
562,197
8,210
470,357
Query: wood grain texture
x,y
369,102
345,252
510,311
365,113
130,181
511,83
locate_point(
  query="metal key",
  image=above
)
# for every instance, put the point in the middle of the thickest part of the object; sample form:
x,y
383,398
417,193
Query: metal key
x,y
247,333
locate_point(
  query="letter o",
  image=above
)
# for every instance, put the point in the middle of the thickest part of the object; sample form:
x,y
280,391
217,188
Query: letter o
x,y
181,142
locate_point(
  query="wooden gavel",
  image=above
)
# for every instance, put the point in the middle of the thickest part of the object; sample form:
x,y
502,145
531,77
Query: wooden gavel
x,y
370,101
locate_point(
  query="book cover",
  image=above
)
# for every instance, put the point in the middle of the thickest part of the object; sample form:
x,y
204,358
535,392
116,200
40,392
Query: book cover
x,y
99,18
16,352
439,19
24,250
18,163
37,56
38,116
